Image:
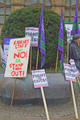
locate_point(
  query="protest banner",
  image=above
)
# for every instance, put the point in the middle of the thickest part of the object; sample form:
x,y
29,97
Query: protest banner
x,y
40,81
2,58
6,42
33,33
39,78
69,72
75,70
17,61
60,47
70,76
18,57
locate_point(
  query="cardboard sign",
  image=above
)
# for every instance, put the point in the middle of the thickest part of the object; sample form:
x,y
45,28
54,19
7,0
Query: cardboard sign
x,y
33,33
6,48
39,78
69,72
2,59
18,55
76,72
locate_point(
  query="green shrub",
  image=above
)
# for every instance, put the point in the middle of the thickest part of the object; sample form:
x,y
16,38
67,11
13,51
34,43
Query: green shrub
x,y
14,27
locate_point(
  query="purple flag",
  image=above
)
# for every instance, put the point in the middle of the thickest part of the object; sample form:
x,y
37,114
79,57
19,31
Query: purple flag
x,y
41,39
61,39
75,29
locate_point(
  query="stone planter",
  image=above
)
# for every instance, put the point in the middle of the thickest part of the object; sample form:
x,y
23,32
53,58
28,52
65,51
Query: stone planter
x,y
57,92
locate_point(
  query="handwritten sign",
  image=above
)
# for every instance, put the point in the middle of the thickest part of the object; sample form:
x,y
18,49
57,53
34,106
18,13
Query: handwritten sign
x,y
33,33
76,72
6,48
18,55
69,72
39,78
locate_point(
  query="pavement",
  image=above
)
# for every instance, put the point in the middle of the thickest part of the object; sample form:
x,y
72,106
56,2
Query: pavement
x,y
31,112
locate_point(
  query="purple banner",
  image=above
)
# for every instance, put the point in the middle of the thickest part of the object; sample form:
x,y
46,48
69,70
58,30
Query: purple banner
x,y
7,41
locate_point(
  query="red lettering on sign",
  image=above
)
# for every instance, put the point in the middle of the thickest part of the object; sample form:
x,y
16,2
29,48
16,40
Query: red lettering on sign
x,y
20,55
16,66
21,43
17,73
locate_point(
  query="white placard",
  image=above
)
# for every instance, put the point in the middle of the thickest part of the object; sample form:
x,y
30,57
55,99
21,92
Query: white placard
x,y
39,78
33,33
2,58
18,55
68,27
76,72
69,72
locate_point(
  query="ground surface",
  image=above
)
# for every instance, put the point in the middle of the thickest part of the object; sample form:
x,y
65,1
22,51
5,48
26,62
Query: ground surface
x,y
56,112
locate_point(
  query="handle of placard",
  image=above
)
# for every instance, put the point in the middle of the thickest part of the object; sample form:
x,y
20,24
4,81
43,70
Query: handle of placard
x,y
75,107
30,56
37,59
12,96
57,60
45,105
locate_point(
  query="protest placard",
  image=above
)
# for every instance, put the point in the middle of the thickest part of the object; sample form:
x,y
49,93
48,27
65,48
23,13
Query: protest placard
x,y
18,57
39,78
75,70
6,42
69,72
33,33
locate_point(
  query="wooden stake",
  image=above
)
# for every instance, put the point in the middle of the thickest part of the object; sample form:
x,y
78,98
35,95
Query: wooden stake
x,y
12,97
74,102
37,59
78,80
30,56
67,51
45,105
57,60
42,91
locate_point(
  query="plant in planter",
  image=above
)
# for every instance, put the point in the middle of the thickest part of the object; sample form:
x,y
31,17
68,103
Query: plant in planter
x,y
14,27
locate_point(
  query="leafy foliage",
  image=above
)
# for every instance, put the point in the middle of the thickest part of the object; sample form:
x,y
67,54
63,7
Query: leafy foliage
x,y
14,27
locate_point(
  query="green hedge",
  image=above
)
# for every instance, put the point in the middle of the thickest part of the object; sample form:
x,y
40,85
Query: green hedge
x,y
14,27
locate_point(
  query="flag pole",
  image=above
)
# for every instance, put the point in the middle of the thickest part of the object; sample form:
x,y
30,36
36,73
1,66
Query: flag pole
x,y
37,59
30,56
41,44
57,60
12,97
67,51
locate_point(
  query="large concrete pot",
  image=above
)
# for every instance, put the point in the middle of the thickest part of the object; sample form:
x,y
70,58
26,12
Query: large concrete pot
x,y
57,92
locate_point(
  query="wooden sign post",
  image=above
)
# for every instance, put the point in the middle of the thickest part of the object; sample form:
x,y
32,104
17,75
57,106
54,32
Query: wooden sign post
x,y
45,105
70,76
12,97
57,60
37,59
41,76
74,101
17,61
30,57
